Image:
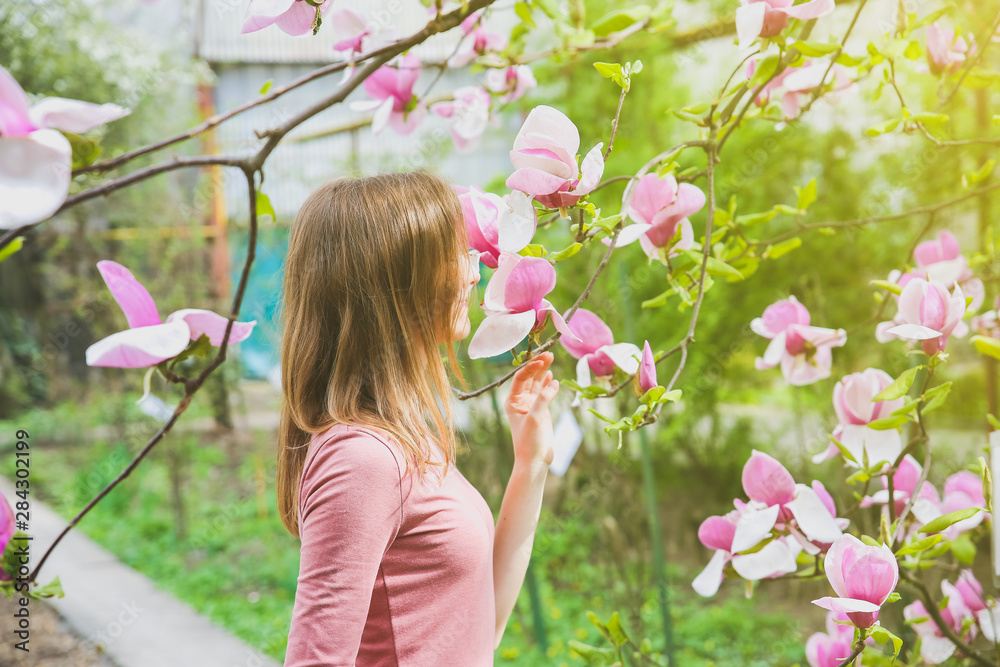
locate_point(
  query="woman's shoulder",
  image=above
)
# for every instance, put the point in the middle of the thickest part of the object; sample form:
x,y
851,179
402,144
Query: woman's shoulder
x,y
355,447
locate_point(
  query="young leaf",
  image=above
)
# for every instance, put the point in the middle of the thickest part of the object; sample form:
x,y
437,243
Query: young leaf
x,y
566,252
946,520
620,20
264,206
11,248
918,546
886,285
899,387
986,345
608,70
807,195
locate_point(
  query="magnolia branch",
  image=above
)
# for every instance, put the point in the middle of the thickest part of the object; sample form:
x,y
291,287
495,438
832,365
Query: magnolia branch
x,y
274,136
191,385
981,46
943,626
839,224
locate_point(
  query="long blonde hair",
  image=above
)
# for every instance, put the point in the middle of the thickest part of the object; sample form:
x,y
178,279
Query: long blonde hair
x,y
371,283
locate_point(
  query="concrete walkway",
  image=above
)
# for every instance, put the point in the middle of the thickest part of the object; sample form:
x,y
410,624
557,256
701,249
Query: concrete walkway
x,y
111,604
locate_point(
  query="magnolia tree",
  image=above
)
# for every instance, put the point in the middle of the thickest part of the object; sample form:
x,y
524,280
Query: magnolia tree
x,y
775,74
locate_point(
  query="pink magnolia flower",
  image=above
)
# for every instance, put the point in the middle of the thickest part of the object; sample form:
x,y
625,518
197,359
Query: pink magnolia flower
x,y
802,351
476,41
935,648
149,340
511,83
831,648
800,83
468,113
904,483
971,591
929,314
350,31
718,532
36,159
767,18
7,529
294,17
497,224
946,51
544,159
393,100
515,305
862,576
775,499
852,402
941,259
660,209
795,84
593,345
987,324
647,369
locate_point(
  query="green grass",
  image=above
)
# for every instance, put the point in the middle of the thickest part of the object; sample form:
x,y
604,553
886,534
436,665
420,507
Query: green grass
x,y
238,566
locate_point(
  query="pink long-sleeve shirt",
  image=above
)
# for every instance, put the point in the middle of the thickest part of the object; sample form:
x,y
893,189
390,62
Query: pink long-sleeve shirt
x,y
393,572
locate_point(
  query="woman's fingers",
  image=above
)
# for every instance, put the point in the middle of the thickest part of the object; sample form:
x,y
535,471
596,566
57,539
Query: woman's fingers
x,y
529,381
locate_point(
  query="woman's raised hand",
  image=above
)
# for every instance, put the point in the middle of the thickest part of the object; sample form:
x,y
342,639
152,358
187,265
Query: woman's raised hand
x,y
528,410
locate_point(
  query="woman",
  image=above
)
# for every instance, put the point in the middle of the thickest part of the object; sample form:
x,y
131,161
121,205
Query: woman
x,y
401,564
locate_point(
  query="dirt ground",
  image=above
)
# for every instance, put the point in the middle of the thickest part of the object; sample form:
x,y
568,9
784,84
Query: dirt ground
x,y
52,643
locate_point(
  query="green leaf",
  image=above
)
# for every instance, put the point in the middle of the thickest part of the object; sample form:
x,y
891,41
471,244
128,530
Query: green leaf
x,y
913,51
600,416
931,18
620,20
881,635
886,285
598,657
566,252
11,248
807,195
907,407
198,348
918,546
785,208
533,250
899,387
888,423
658,301
843,450
882,128
8,561
523,11
53,589
264,206
936,396
994,422
266,87
672,396
618,635
765,68
815,48
783,248
653,395
942,522
986,345
893,597
755,218
870,541
928,118
608,70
